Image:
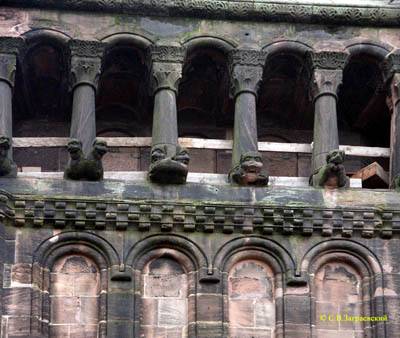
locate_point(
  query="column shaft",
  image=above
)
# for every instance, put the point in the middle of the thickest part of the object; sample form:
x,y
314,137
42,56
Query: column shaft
x,y
83,124
6,110
245,131
394,170
165,122
326,135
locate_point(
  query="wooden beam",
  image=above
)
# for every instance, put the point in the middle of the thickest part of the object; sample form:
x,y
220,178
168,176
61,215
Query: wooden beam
x,y
197,143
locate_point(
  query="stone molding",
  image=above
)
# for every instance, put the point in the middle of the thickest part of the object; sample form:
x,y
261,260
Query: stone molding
x,y
380,15
206,217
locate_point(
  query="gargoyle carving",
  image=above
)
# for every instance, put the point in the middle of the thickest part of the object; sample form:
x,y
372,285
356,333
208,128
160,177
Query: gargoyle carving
x,y
249,170
169,164
89,168
7,166
332,175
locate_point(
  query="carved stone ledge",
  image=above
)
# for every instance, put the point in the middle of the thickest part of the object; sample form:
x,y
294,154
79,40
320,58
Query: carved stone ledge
x,y
99,214
382,15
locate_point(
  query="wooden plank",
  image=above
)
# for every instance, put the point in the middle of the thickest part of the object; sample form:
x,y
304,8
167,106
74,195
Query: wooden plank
x,y
373,176
366,151
197,143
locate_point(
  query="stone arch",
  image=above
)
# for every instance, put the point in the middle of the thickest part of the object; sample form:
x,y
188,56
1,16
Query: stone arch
x,y
222,44
374,48
46,34
139,40
87,259
181,244
287,46
347,277
166,280
44,253
285,262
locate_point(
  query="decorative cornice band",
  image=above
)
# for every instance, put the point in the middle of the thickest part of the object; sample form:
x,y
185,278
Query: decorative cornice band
x,y
328,60
167,54
167,216
387,15
83,48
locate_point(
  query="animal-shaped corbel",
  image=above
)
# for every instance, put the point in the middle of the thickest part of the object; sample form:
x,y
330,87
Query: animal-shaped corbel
x,y
7,166
88,168
169,164
333,174
249,171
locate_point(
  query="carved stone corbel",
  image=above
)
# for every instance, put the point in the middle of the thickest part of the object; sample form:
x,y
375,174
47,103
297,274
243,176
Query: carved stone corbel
x,y
333,174
327,77
86,57
246,69
169,161
88,168
9,50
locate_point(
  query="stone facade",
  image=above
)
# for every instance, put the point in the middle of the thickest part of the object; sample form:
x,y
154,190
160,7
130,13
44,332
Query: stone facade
x,y
235,254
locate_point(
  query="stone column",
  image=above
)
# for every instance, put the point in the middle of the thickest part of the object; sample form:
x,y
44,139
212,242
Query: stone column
x,y
327,77
86,152
9,49
169,161
246,67
393,61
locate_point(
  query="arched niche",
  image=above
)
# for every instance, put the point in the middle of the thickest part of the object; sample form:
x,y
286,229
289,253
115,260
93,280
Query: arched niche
x,y
124,105
70,279
42,101
166,306
253,295
205,109
339,286
363,114
285,110
75,286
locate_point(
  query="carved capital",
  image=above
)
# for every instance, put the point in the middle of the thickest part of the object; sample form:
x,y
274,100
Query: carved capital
x,y
328,60
326,82
7,68
395,89
246,68
86,57
166,67
9,49
391,70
